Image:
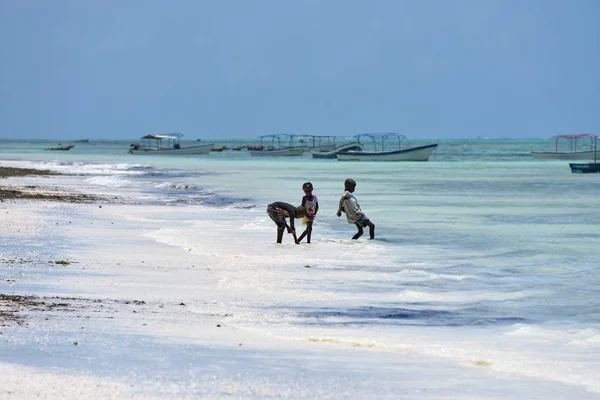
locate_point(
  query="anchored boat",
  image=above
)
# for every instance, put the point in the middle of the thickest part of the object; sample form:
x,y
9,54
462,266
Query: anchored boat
x,y
386,147
587,168
568,146
167,144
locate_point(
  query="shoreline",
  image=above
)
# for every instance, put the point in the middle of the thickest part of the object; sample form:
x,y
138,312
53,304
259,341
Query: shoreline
x,y
22,192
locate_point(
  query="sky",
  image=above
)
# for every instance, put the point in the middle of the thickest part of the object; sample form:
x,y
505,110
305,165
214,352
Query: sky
x,y
115,69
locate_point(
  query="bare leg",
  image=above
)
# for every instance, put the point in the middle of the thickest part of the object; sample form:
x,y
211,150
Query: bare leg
x,y
371,229
306,232
280,235
303,235
359,233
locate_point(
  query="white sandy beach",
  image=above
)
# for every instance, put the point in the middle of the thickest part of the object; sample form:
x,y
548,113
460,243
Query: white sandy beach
x,y
141,306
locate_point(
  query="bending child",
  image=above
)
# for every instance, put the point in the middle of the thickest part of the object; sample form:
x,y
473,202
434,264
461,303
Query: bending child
x,y
311,207
278,212
354,214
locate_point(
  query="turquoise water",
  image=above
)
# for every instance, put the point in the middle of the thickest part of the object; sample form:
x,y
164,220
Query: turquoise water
x,y
482,242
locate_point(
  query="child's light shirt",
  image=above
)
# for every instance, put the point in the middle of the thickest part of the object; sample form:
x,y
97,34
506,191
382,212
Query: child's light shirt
x,y
351,207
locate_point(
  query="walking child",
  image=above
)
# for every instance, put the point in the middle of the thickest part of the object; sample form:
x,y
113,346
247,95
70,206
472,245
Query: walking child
x,y
311,207
278,212
354,214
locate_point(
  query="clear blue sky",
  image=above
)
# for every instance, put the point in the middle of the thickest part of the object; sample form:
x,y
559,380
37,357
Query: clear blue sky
x,y
110,69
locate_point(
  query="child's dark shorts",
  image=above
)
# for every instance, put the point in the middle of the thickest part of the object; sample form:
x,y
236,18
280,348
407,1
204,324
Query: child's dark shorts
x,y
276,217
362,221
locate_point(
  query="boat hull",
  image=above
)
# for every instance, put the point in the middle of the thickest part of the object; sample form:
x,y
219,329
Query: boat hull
x,y
420,153
332,154
183,151
61,148
585,168
553,155
283,152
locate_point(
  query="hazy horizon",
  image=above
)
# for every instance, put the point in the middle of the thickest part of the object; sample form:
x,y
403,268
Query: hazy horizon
x,y
237,70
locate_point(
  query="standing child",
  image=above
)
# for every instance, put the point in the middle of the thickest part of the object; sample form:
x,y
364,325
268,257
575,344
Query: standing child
x,y
278,212
311,206
354,214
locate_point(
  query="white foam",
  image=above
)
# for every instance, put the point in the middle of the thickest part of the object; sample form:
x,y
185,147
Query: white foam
x,y
112,181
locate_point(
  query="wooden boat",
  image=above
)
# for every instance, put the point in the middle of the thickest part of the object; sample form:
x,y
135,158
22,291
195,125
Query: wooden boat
x,y
167,144
220,148
587,168
387,147
332,154
284,144
61,148
315,142
280,145
568,145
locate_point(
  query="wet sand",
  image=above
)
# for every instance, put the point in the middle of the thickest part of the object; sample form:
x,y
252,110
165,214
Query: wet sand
x,y
20,192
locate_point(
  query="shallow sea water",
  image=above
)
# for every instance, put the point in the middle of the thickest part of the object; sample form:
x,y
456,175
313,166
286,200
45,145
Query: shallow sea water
x,y
483,256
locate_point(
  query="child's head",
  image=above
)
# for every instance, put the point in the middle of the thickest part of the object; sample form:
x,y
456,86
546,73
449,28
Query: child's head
x,y
300,212
307,187
349,185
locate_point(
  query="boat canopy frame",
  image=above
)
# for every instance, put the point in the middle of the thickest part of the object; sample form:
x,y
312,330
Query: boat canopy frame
x,y
379,139
156,140
573,139
296,140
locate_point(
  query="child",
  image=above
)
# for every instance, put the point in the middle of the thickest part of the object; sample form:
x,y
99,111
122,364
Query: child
x,y
311,206
349,205
278,212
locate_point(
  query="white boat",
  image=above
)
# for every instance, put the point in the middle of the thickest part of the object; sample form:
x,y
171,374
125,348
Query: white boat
x,y
387,147
167,144
569,150
352,146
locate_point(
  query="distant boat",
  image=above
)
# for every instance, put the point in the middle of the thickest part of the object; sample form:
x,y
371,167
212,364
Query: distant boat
x,y
285,144
572,153
387,147
167,144
61,148
220,148
81,141
332,154
272,146
587,168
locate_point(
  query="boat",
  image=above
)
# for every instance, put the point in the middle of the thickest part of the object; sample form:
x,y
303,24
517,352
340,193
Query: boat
x,y
587,168
82,141
570,142
285,144
386,147
352,146
280,145
315,142
61,148
220,148
167,144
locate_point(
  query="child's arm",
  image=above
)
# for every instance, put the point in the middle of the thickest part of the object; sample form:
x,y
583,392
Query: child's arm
x,y
341,206
316,207
292,230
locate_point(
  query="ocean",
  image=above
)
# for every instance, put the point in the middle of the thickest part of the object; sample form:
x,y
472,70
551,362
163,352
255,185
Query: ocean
x,y
483,258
